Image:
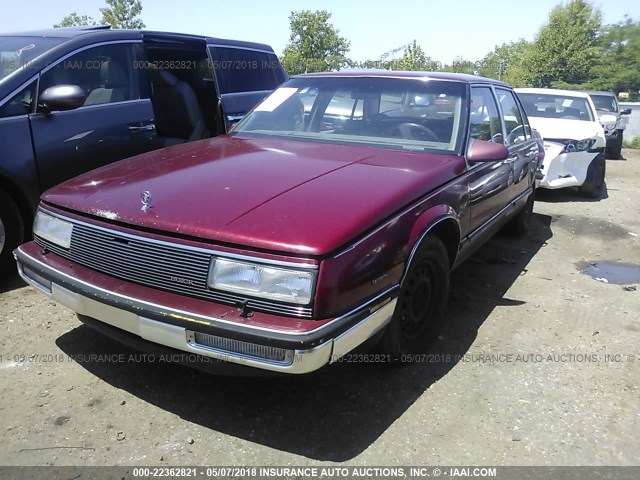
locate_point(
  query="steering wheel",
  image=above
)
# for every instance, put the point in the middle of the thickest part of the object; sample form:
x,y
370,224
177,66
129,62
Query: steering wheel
x,y
415,131
515,133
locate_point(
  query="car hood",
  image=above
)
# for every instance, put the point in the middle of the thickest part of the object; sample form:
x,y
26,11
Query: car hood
x,y
278,195
561,128
607,117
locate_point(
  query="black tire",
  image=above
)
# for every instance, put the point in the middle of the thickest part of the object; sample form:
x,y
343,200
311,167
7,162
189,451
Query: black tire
x,y
519,225
616,150
593,184
421,302
11,231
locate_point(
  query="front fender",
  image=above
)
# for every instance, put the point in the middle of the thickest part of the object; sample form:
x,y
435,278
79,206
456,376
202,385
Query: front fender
x,y
441,220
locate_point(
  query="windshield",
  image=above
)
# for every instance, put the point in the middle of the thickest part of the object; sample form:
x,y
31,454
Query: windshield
x,y
405,114
17,52
606,103
556,106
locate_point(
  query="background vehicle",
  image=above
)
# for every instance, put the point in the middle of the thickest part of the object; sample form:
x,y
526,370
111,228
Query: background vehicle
x,y
302,234
612,119
72,100
573,138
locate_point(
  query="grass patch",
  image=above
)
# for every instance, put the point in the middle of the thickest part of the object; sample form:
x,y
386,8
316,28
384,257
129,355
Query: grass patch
x,y
633,143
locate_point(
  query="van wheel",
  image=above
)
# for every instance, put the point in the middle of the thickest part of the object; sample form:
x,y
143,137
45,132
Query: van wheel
x,y
11,231
519,225
592,186
421,303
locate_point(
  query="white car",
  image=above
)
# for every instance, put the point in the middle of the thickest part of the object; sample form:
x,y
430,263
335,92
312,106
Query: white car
x,y
612,119
574,140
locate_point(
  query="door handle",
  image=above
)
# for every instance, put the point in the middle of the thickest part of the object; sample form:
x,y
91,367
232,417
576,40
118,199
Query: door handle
x,y
510,160
142,128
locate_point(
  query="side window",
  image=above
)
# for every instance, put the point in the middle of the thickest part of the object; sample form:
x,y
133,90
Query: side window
x,y
484,120
342,113
20,103
105,73
242,70
277,69
513,118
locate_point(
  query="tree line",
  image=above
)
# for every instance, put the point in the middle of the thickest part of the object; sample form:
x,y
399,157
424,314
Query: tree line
x,y
572,50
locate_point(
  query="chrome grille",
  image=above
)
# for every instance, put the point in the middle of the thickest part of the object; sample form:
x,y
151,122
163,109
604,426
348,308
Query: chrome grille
x,y
142,261
238,347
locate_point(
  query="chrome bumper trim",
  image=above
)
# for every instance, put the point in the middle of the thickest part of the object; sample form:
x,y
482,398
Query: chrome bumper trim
x,y
302,361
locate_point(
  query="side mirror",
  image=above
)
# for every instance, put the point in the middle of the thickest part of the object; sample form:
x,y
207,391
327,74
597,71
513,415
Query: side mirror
x,y
626,111
483,151
61,97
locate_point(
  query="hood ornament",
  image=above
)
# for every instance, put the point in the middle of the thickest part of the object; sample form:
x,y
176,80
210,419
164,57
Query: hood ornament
x,y
145,198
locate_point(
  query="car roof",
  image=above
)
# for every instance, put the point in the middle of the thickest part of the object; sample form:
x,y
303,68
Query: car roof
x,y
600,92
72,32
552,91
458,77
65,32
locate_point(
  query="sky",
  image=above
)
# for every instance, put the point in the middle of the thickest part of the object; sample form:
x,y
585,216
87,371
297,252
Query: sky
x,y
444,29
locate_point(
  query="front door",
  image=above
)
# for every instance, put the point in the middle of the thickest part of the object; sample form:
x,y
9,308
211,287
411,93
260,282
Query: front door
x,y
523,149
490,183
115,121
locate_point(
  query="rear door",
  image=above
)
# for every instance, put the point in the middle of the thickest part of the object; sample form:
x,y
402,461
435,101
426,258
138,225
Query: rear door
x,y
245,76
115,122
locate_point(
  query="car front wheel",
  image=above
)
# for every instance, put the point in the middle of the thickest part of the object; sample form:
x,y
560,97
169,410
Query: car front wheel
x,y
11,231
421,302
616,150
593,184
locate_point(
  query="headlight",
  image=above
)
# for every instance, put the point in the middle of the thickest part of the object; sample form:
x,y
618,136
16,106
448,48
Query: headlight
x,y
578,146
53,229
294,286
610,126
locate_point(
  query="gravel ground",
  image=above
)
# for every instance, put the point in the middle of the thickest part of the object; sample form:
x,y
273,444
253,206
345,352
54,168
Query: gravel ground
x,y
538,365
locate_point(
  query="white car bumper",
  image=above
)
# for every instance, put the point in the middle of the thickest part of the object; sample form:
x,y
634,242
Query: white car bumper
x,y
562,170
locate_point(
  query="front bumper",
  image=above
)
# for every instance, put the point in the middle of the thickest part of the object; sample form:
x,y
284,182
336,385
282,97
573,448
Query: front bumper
x,y
611,135
93,296
560,170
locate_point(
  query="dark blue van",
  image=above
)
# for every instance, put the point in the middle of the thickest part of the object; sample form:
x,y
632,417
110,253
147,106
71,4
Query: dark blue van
x,y
74,99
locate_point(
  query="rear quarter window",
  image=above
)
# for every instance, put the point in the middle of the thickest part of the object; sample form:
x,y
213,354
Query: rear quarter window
x,y
244,70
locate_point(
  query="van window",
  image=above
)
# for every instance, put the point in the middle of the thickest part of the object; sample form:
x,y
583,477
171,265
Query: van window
x,y
105,73
243,70
17,53
20,104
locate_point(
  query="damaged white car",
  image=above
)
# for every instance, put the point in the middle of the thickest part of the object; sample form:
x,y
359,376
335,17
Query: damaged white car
x,y
574,140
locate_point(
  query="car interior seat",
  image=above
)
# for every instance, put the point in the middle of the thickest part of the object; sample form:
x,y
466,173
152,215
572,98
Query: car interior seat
x,y
177,111
115,85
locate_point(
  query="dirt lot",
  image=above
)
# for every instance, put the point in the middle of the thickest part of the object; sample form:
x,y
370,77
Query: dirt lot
x,y
538,365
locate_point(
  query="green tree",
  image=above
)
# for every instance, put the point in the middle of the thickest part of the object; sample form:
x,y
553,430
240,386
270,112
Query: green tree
x,y
415,59
123,14
618,68
566,48
117,13
460,65
314,44
75,20
508,62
